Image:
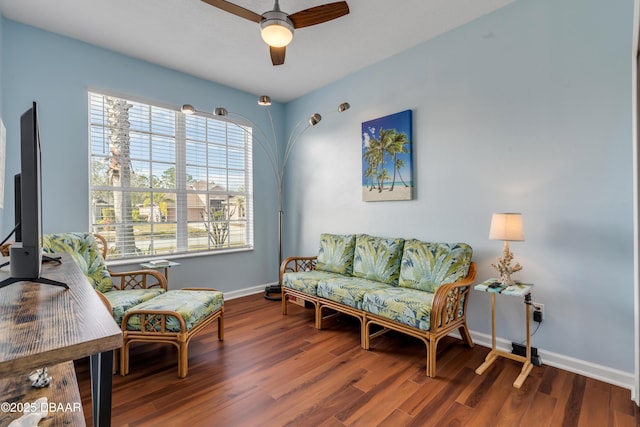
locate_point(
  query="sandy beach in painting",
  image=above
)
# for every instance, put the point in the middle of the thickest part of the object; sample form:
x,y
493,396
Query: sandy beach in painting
x,y
400,192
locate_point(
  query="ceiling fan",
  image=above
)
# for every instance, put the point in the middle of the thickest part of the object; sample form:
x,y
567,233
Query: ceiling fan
x,y
277,26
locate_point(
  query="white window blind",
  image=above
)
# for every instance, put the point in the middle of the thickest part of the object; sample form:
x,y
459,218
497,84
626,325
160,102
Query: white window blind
x,y
163,182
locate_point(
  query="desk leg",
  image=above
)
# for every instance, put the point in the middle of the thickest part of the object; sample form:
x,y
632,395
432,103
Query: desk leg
x,y
493,355
527,366
101,378
493,321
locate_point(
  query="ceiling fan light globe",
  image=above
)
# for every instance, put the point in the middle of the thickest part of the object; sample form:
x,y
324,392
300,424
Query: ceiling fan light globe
x,y
276,29
276,35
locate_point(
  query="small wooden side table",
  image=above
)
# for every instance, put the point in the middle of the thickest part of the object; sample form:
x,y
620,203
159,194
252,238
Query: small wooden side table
x,y
166,266
517,290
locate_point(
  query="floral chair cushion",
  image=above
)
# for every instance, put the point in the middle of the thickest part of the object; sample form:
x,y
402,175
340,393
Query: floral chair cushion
x,y
377,258
426,266
336,253
408,306
122,301
306,281
348,290
193,306
85,252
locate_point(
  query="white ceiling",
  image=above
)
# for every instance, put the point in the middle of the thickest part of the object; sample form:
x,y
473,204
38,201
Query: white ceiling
x,y
201,40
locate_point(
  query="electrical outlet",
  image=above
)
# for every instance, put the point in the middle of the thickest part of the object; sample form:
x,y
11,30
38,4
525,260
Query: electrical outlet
x,y
538,308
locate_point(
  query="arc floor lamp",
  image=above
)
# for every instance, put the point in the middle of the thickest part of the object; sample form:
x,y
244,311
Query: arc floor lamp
x,y
277,160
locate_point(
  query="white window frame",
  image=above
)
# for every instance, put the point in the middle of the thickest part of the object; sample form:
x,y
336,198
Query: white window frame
x,y
224,150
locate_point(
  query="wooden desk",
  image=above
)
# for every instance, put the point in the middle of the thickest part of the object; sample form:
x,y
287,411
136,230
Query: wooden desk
x,y
517,290
43,325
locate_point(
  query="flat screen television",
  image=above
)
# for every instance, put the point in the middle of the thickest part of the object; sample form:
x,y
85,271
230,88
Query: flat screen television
x,y
26,253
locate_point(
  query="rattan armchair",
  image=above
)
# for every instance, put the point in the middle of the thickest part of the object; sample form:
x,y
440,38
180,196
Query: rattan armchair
x,y
119,291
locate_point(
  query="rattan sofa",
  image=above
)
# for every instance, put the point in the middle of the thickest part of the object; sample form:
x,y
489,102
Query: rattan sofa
x,y
407,285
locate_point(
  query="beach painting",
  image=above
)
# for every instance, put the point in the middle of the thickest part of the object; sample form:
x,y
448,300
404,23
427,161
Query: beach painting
x,y
387,169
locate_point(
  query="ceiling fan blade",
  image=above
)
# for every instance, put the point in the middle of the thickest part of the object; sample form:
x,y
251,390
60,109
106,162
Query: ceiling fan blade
x,y
319,14
277,55
235,9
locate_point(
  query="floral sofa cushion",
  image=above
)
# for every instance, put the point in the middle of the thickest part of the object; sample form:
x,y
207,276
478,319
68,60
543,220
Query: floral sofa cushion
x,y
377,258
306,281
85,252
193,306
122,301
408,306
426,265
348,290
336,253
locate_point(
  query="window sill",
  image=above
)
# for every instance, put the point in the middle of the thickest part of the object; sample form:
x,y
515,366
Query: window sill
x,y
131,261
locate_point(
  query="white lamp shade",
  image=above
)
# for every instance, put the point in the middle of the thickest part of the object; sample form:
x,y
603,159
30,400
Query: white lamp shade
x,y
506,226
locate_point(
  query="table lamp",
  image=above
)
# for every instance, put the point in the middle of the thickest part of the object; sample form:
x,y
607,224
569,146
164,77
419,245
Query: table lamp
x,y
507,227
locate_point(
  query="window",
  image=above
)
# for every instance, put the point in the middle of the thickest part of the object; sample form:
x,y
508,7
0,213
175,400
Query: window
x,y
162,182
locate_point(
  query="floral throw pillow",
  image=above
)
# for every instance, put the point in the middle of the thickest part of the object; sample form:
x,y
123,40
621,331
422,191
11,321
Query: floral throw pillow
x,y
426,265
336,253
84,250
378,258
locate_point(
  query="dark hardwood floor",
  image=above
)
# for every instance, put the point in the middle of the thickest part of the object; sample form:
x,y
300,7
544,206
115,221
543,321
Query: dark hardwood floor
x,y
275,370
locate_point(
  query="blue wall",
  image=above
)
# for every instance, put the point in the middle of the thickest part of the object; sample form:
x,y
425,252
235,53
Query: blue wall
x,y
528,110
57,72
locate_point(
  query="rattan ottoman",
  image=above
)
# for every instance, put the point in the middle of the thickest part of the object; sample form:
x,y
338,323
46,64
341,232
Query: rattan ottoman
x,y
174,318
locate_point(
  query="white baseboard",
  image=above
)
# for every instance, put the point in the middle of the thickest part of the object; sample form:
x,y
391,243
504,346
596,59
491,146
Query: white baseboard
x,y
246,291
571,364
567,363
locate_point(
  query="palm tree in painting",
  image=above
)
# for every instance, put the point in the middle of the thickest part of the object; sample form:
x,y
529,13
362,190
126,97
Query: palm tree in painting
x,y
391,143
367,154
385,145
369,174
395,147
400,165
384,175
374,155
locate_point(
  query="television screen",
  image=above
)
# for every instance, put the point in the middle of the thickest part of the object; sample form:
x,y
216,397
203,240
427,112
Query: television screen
x,y
26,252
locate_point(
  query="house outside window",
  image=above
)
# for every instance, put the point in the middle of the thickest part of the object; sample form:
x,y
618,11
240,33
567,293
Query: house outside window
x,y
164,183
